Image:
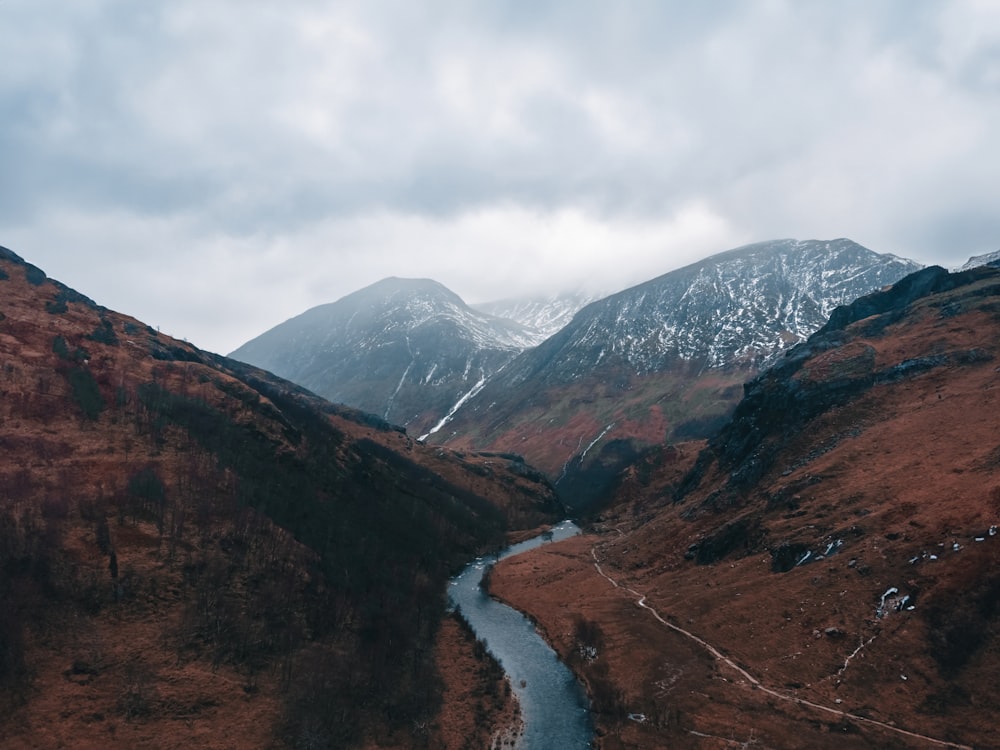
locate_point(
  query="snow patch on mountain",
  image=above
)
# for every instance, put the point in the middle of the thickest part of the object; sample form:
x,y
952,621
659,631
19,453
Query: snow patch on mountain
x,y
403,348
458,405
987,259
743,306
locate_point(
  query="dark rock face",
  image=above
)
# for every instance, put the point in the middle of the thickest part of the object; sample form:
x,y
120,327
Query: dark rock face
x,y
587,482
742,535
894,300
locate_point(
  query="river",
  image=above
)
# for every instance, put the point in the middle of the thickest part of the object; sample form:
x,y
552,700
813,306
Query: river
x,y
554,706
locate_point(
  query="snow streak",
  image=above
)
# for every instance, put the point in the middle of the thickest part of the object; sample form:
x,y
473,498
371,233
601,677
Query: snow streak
x,y
458,405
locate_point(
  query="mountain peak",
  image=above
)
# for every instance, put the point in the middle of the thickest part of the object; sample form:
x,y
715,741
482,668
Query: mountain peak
x,y
392,285
986,259
406,349
666,358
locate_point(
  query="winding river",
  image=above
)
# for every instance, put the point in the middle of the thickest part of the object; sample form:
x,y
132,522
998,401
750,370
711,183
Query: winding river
x,y
554,706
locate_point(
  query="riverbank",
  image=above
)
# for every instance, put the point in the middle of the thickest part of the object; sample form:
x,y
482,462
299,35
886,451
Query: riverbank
x,y
478,707
588,625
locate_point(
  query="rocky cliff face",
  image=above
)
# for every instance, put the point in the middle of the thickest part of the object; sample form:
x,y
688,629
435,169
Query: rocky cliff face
x,y
664,359
196,552
825,576
407,350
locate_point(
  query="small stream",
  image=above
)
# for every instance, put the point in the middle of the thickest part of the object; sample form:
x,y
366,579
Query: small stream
x,y
554,706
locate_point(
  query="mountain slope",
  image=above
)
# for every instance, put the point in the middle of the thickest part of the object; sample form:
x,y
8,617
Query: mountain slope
x,y
825,576
198,553
405,349
667,357
987,259
545,314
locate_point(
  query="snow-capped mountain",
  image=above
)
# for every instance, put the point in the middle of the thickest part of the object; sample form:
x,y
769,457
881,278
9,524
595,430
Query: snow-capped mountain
x,y
986,259
545,314
667,358
405,349
745,305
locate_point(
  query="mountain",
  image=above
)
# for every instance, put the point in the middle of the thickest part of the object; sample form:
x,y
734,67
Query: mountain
x,y
195,552
987,259
665,359
824,572
545,314
405,349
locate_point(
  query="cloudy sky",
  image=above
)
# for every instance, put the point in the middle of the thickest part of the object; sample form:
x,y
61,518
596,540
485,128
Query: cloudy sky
x,y
214,167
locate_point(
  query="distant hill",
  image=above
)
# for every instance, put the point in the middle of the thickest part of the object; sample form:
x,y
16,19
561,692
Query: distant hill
x,y
545,314
405,349
986,259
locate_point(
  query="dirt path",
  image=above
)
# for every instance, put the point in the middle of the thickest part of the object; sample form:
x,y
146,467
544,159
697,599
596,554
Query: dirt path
x,y
753,681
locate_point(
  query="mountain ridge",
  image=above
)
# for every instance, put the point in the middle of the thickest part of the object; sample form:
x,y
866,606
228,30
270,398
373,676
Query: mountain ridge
x,y
665,358
992,259
547,314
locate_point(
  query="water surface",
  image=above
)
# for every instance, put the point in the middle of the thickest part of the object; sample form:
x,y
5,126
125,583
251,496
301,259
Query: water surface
x,y
553,704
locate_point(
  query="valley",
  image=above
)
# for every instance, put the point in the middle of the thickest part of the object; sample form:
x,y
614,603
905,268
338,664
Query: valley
x,y
580,386
499,375
198,551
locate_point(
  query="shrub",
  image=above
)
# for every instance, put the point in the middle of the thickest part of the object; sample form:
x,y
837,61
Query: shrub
x,y
60,347
104,333
138,691
86,392
34,275
146,485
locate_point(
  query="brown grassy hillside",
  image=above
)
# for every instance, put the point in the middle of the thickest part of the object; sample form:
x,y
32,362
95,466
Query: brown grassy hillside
x,y
826,573
197,554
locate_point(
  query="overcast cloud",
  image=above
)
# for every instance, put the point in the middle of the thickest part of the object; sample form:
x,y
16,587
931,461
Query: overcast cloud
x,y
214,167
